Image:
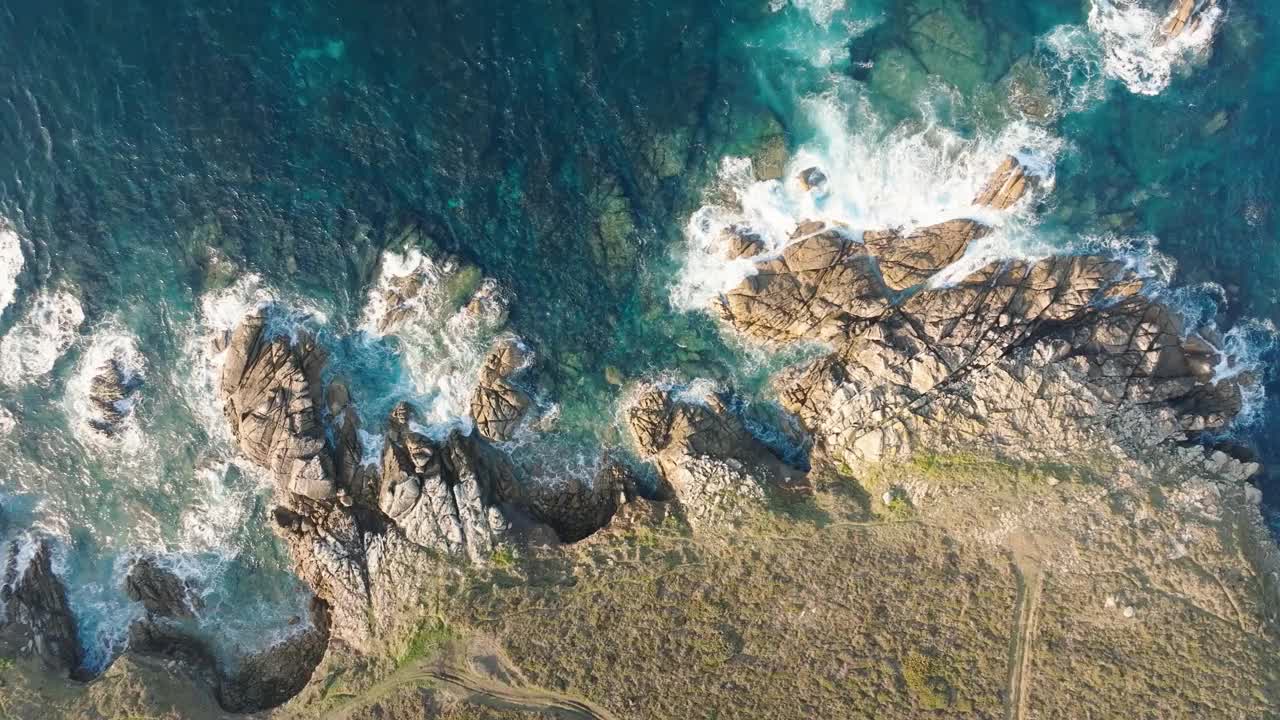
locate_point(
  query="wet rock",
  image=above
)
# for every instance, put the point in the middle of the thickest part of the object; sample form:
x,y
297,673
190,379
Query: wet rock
x,y
37,618
1184,16
269,678
1007,185
704,451
742,242
812,179
271,394
498,404
907,261
111,395
160,590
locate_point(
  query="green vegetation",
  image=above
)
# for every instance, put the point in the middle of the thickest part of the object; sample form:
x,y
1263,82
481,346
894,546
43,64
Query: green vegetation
x,y
428,639
503,558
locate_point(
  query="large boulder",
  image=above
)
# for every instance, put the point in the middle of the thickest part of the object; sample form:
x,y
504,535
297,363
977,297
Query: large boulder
x,y
498,404
823,286
37,617
271,394
111,394
707,455
160,590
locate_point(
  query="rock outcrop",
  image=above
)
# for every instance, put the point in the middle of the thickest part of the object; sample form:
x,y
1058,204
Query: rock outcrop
x,y
498,404
707,455
256,682
444,496
822,286
1039,358
160,590
1184,16
271,398
907,261
37,618
576,510
111,394
827,284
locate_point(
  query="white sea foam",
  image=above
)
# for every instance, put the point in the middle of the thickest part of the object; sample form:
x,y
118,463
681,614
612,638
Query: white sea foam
x,y
11,262
111,343
32,347
217,511
822,11
443,336
907,176
1136,51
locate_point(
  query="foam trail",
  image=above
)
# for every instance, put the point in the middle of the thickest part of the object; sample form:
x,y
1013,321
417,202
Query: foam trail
x,y
11,262
32,347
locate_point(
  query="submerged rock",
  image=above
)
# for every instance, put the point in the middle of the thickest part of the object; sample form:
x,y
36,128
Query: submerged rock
x,y
160,590
37,618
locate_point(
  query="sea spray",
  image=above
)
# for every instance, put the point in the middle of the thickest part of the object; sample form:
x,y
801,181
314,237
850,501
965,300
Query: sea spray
x,y
32,346
1135,50
905,176
11,262
442,318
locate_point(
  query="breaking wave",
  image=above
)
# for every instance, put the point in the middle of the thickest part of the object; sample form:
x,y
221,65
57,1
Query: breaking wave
x,y
49,328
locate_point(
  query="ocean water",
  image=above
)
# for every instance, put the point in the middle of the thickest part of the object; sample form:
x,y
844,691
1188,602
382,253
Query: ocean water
x,y
166,166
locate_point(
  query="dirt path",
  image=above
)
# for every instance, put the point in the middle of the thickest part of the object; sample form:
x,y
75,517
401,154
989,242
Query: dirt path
x,y
1022,645
477,689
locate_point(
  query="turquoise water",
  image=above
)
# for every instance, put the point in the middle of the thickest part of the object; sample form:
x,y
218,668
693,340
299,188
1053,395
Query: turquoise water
x,y
164,166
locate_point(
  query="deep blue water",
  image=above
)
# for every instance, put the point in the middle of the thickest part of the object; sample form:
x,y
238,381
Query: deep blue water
x,y
151,153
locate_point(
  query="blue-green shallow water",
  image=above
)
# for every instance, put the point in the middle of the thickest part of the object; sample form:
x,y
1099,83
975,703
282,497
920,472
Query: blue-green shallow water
x,y
561,146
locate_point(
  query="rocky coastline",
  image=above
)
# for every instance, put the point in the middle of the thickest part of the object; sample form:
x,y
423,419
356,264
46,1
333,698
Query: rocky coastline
x,y
1054,362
